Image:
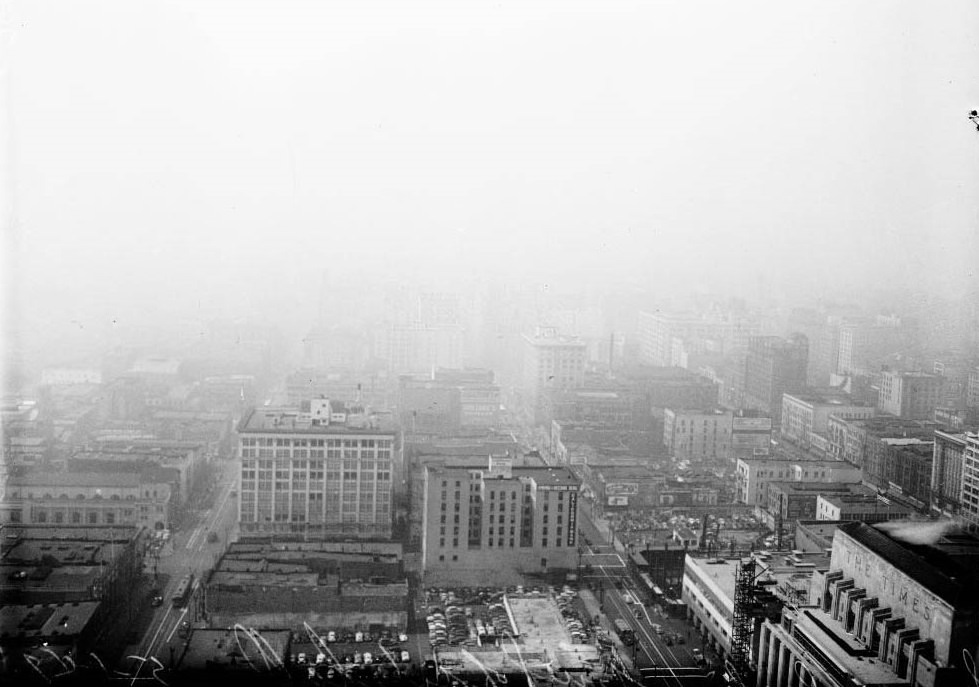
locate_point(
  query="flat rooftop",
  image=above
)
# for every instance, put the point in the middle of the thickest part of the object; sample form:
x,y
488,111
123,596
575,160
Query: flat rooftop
x,y
294,421
780,566
938,555
45,620
827,397
543,476
847,656
207,649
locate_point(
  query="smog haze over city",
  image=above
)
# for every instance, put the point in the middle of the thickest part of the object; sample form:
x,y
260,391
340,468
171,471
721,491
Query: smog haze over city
x,y
589,214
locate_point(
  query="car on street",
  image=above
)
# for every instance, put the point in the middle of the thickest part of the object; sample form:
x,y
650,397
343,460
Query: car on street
x,y
157,601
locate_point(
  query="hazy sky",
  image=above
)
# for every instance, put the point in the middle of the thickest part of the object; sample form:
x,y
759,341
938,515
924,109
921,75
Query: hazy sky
x,y
217,156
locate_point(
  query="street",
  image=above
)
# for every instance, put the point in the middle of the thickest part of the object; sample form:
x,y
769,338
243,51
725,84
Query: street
x,y
192,554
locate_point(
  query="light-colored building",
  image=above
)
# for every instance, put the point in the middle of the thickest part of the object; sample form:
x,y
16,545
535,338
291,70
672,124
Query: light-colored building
x,y
862,504
805,414
142,499
67,376
969,499
498,520
708,589
420,348
552,361
326,471
910,395
888,612
754,475
697,435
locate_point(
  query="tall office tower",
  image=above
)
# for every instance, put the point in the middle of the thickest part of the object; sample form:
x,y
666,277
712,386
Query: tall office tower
x,y
773,367
552,361
324,472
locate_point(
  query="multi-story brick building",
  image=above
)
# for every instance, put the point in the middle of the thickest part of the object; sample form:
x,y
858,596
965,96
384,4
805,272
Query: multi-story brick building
x,y
946,472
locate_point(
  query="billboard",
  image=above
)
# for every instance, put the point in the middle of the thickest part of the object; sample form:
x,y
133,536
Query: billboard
x,y
572,518
618,500
621,488
751,424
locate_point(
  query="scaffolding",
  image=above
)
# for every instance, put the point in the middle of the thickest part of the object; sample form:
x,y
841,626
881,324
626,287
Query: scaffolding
x,y
744,583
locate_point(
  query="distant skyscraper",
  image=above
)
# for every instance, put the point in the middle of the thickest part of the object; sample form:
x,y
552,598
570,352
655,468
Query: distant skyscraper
x,y
773,367
552,361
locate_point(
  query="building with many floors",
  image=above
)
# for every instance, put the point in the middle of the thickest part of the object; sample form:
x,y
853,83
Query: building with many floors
x,y
498,520
911,395
947,465
322,471
807,413
897,606
697,435
551,361
970,481
774,366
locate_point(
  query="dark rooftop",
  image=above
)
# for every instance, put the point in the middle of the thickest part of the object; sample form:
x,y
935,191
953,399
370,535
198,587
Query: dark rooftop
x,y
948,565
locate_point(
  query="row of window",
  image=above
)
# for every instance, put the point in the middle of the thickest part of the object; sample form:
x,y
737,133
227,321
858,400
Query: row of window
x,y
287,442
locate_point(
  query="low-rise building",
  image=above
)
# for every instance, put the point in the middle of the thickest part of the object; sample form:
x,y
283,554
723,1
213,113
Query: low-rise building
x,y
862,504
754,474
793,501
143,499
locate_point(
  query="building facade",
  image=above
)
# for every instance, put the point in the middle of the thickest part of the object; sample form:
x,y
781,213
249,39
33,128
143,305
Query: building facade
x,y
328,471
805,414
140,499
946,472
698,435
754,474
888,612
774,366
911,395
970,480
498,519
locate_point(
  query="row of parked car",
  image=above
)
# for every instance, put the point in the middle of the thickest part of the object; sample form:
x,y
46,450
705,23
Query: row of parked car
x,y
577,628
385,637
356,658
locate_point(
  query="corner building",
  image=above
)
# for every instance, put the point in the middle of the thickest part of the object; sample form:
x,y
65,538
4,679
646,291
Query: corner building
x,y
498,520
326,472
889,612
